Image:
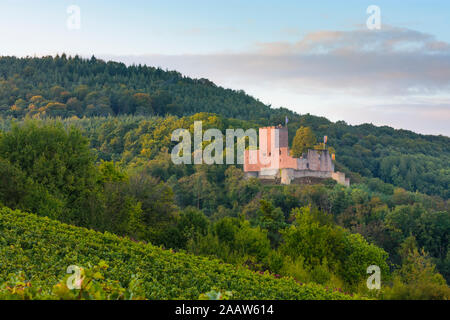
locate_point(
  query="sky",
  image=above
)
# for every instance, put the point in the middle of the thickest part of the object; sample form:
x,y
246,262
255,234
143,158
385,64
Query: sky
x,y
315,57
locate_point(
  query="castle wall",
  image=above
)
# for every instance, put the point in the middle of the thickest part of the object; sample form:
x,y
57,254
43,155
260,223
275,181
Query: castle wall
x,y
288,176
265,141
269,173
251,161
285,160
251,174
272,161
273,151
310,173
340,178
282,137
325,161
302,164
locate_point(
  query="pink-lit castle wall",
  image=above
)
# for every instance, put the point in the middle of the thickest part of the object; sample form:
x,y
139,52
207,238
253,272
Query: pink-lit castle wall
x,y
273,162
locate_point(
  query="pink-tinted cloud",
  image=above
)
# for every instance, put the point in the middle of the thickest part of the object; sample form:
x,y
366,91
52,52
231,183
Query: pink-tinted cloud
x,y
388,64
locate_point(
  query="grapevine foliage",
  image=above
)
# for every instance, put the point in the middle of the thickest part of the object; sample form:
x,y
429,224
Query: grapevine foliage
x,y
36,251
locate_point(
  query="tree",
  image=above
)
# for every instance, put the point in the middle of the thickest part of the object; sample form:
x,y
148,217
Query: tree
x,y
17,191
304,139
58,160
314,238
191,225
240,190
272,220
157,204
160,99
196,190
143,104
417,279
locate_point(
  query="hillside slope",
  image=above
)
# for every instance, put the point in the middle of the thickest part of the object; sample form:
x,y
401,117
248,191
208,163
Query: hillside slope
x,y
66,87
43,249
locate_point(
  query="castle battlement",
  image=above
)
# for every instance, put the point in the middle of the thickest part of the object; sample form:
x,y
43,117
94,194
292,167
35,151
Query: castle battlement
x,y
273,162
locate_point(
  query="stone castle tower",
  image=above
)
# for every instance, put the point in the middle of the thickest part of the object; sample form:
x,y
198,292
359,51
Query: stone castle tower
x,y
272,161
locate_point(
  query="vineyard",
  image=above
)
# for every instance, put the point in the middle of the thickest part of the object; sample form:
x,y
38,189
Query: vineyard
x,y
40,250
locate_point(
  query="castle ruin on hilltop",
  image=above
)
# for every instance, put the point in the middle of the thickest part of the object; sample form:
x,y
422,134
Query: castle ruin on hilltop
x,y
272,163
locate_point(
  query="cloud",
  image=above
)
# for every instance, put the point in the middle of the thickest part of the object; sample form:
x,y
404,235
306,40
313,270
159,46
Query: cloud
x,y
388,61
390,64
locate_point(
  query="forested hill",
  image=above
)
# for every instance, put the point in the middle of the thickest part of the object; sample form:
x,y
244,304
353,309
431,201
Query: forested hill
x,y
68,86
65,87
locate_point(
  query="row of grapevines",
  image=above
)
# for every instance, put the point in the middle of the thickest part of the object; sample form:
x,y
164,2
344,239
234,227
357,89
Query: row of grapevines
x,y
42,249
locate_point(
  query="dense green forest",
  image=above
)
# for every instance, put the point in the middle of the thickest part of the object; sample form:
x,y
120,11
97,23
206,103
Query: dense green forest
x,y
65,86
68,87
326,233
104,164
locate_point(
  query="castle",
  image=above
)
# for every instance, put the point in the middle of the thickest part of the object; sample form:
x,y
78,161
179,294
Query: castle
x,y
272,163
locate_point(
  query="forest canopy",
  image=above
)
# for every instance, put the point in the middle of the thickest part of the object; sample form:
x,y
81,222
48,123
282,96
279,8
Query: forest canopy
x,y
73,87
